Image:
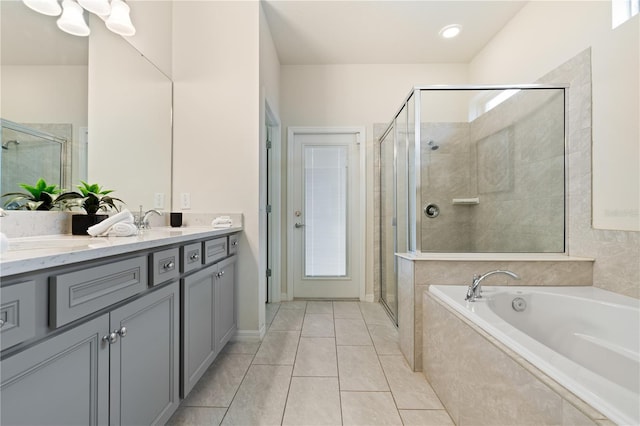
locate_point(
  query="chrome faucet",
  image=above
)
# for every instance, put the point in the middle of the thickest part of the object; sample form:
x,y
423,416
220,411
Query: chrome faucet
x,y
473,292
143,218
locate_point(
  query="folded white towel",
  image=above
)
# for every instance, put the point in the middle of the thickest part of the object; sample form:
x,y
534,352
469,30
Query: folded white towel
x,y
222,222
222,225
124,216
122,229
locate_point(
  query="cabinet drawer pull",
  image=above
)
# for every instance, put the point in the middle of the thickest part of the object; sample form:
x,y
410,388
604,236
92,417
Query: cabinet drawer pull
x,y
235,243
168,265
122,332
194,256
110,338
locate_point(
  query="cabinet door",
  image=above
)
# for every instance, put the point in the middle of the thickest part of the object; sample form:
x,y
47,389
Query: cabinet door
x,y
63,380
144,362
225,323
199,344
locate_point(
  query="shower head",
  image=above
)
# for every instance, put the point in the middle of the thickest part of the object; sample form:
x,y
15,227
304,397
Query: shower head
x,y
433,145
6,144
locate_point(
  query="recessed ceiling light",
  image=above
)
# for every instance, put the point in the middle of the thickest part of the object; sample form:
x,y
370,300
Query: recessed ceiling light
x,y
450,31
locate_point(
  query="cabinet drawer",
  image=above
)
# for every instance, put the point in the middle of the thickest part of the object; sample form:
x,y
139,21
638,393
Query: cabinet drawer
x,y
17,313
234,240
215,250
76,294
191,257
164,266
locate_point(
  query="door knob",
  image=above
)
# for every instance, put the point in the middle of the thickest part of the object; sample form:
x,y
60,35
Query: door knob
x,y
299,225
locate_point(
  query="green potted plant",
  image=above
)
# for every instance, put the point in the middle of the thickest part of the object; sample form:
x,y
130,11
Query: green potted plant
x,y
40,196
93,199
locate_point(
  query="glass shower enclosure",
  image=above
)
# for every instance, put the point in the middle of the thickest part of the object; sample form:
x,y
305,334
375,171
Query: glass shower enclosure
x,y
471,169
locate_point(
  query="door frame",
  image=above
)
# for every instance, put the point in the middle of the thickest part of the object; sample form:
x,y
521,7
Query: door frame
x,y
359,243
275,231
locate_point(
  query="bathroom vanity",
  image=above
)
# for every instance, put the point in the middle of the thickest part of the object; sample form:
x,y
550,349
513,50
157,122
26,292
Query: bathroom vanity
x,y
112,330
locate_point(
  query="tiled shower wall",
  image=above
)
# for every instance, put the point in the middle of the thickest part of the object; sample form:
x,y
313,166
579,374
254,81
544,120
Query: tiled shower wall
x,y
34,158
512,159
616,252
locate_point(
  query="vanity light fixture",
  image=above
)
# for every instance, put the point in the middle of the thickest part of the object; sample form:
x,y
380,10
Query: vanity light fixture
x,y
450,31
72,19
115,14
46,7
120,21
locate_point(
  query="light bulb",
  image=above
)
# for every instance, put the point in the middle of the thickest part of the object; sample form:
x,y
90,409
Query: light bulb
x,y
119,21
72,19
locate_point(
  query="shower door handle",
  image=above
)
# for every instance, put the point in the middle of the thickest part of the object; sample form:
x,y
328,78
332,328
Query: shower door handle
x,y
299,225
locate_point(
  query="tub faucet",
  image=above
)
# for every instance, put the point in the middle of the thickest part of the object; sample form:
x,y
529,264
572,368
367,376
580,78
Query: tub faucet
x,y
473,292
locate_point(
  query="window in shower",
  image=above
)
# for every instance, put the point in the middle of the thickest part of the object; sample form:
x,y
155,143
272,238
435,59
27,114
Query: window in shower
x,y
622,11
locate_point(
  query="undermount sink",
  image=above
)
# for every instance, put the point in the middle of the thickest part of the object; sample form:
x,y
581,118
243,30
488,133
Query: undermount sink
x,y
50,242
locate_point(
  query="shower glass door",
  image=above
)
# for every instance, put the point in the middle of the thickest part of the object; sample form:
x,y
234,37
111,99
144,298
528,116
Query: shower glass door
x,y
394,208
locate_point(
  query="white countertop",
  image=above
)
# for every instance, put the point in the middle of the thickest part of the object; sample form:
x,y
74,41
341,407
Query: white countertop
x,y
30,254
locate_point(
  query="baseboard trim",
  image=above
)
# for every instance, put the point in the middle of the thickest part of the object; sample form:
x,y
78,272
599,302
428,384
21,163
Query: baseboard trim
x,y
249,335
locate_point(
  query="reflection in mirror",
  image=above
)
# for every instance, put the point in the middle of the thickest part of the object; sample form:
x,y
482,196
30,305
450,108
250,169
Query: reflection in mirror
x,y
44,89
130,121
120,125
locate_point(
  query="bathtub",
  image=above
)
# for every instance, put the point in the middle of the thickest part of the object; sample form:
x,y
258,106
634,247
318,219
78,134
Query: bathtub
x,y
585,338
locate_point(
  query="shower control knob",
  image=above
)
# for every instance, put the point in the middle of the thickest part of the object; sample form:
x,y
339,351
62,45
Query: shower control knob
x,y
431,210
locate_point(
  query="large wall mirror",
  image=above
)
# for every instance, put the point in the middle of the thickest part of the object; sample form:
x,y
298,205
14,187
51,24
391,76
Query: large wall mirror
x,y
91,108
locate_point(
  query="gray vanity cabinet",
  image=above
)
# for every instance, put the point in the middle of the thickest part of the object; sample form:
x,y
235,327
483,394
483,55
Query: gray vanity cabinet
x,y
121,368
60,381
198,332
225,321
208,318
144,362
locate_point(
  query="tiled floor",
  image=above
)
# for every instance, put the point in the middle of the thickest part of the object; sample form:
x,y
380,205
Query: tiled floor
x,y
320,363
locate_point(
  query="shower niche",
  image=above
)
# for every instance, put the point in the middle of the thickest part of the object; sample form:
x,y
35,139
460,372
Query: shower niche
x,y
472,170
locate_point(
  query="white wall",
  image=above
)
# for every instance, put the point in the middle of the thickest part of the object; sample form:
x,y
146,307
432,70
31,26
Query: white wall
x,y
216,120
355,95
544,35
152,20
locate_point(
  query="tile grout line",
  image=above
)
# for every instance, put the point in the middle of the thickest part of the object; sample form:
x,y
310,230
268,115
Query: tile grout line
x,y
247,370
295,357
335,341
395,403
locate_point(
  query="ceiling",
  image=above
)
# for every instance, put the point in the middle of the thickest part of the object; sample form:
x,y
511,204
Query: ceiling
x,y
307,32
383,31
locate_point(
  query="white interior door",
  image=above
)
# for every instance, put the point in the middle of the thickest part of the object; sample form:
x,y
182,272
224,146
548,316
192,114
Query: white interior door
x,y
325,217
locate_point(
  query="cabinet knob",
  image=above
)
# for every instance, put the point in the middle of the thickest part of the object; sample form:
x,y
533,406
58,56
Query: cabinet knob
x,y
194,256
110,338
235,243
122,332
2,323
169,265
